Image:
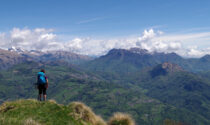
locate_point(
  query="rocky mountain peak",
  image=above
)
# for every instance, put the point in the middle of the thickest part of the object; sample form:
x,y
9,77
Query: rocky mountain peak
x,y
205,58
139,51
164,69
169,67
16,49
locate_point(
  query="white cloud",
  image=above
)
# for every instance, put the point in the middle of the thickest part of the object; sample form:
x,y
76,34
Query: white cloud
x,y
45,40
194,51
47,36
37,39
178,43
75,43
43,30
147,35
90,20
150,42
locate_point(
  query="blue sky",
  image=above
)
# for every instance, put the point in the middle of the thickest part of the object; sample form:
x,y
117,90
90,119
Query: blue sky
x,y
108,19
105,17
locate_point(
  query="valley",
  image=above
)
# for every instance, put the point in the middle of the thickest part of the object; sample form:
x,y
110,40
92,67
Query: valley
x,y
151,87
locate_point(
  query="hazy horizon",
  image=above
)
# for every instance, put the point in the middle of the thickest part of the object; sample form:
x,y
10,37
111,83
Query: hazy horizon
x,y
93,28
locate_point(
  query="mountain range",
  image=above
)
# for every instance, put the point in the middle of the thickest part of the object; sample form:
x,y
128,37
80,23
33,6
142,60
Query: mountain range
x,y
136,59
129,59
14,56
152,87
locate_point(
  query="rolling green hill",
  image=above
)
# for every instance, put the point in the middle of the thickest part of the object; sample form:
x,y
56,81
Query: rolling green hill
x,y
176,87
182,90
69,83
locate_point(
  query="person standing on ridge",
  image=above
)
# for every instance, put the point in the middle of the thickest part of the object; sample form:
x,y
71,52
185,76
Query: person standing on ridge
x,y
42,83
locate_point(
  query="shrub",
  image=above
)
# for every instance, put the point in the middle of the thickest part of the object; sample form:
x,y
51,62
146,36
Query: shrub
x,y
52,101
121,119
81,111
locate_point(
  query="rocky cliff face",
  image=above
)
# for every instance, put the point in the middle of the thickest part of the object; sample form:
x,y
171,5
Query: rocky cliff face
x,y
169,67
164,69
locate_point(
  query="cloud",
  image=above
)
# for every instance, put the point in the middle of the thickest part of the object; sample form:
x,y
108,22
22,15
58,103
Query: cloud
x,y
184,37
183,44
36,39
154,41
148,41
194,51
90,20
147,35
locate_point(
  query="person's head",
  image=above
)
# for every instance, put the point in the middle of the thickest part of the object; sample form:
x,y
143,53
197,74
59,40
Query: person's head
x,y
42,70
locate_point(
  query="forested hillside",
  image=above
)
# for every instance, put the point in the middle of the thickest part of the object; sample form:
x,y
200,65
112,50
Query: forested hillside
x,y
152,92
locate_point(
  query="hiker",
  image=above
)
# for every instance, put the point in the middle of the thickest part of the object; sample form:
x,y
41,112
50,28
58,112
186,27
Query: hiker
x,y
42,83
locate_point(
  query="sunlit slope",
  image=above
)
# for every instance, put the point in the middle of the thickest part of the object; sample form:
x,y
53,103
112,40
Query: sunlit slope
x,y
32,112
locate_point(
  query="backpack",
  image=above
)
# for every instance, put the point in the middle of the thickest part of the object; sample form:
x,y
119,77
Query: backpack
x,y
41,78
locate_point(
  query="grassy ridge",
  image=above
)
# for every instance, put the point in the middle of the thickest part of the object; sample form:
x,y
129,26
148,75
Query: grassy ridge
x,y
30,111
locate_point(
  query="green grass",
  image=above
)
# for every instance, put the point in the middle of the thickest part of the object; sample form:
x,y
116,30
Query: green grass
x,y
46,113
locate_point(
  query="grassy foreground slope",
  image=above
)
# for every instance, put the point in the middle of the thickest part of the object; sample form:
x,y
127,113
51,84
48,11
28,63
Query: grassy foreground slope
x,y
32,112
